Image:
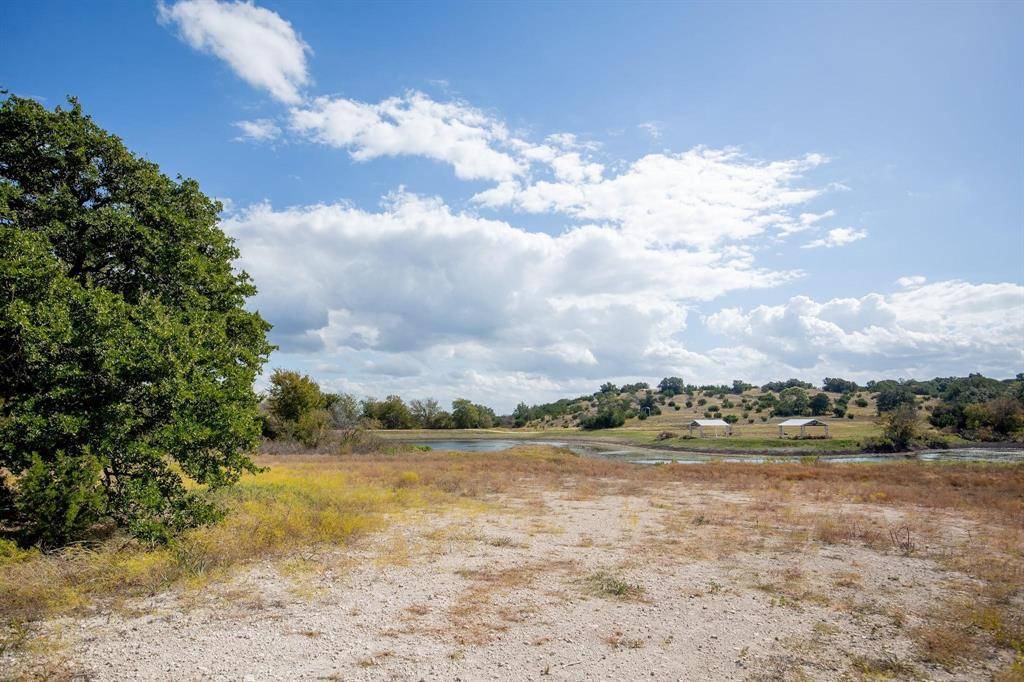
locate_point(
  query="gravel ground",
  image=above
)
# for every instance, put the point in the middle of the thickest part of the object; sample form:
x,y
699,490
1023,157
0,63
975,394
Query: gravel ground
x,y
663,586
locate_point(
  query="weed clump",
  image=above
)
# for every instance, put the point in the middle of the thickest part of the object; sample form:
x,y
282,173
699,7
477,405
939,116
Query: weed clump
x,y
608,585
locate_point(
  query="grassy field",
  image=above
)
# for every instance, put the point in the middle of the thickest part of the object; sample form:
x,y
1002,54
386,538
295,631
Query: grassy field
x,y
965,520
845,436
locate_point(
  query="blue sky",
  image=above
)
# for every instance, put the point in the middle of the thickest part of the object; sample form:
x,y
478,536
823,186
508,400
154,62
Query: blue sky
x,y
731,190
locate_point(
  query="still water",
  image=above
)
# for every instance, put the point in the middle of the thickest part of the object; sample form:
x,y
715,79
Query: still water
x,y
655,456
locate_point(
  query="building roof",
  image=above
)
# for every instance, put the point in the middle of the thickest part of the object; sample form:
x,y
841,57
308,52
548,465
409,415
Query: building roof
x,y
709,422
802,422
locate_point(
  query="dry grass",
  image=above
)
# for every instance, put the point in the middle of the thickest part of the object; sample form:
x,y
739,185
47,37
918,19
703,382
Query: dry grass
x,y
966,518
273,514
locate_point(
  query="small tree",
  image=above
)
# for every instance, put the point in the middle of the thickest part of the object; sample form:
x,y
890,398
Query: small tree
x,y
394,414
792,401
900,426
425,413
297,407
820,404
293,395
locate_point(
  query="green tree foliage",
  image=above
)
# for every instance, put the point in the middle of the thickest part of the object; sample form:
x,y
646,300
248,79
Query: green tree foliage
x,y
779,386
127,357
521,415
393,413
605,418
298,409
739,387
835,385
671,386
648,405
467,415
292,395
427,414
390,413
891,397
820,404
633,388
900,426
792,401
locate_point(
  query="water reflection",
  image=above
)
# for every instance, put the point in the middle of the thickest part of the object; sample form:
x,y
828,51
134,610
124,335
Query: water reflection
x,y
656,456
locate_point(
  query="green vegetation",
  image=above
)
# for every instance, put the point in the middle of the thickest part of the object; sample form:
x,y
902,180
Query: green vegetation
x,y
297,409
607,418
128,355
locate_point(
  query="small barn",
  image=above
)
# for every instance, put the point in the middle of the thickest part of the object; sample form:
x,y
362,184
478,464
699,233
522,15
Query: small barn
x,y
713,424
802,424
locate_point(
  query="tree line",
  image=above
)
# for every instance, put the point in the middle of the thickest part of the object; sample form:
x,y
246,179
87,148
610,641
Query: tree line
x,y
296,408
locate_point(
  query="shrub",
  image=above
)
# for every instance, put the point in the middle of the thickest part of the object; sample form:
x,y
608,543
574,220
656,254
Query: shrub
x,y
731,418
604,419
860,402
358,441
820,404
312,427
899,431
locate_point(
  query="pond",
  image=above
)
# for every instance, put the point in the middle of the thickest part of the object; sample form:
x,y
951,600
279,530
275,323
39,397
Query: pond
x,y
655,456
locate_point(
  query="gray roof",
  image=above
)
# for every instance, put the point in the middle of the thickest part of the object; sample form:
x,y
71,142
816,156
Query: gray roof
x,y
709,422
802,422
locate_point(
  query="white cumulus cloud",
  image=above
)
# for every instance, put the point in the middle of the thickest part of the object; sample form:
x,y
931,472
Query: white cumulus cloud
x,y
260,47
928,330
411,125
700,197
456,292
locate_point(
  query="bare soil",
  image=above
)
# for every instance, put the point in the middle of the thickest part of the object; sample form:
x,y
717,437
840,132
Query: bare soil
x,y
594,581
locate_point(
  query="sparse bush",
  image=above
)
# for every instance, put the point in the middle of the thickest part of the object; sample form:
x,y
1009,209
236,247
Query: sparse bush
x,y
359,441
312,427
605,584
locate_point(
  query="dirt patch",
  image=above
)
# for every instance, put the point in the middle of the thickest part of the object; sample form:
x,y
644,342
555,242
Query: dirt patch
x,y
668,581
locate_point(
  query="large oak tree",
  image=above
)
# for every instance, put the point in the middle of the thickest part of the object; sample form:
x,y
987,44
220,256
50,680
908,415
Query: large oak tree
x,y
127,358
